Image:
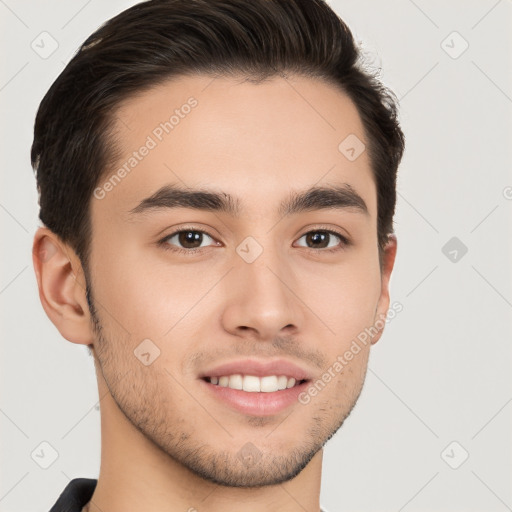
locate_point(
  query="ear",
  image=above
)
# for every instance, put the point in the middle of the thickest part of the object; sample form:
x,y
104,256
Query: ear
x,y
61,284
388,261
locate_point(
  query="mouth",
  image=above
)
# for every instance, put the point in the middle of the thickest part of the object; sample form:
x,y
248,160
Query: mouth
x,y
255,384
255,387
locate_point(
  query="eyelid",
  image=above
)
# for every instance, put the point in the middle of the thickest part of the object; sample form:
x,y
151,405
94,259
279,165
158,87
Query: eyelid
x,y
327,228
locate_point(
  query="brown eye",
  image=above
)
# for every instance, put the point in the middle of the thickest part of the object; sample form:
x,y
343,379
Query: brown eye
x,y
324,239
187,239
318,239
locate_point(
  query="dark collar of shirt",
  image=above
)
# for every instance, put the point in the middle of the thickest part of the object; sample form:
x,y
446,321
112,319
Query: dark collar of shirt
x,y
77,494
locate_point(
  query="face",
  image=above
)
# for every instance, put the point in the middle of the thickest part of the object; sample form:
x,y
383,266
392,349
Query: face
x,y
219,315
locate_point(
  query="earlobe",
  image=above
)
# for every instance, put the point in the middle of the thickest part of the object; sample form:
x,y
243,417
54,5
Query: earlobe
x,y
61,284
387,267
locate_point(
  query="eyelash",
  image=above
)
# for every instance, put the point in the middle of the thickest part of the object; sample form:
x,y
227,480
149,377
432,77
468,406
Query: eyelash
x,y
345,242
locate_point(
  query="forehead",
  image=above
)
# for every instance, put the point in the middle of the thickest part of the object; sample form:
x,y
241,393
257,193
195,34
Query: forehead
x,y
255,142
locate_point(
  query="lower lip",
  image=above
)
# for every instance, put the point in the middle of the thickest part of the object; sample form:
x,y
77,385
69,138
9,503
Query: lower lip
x,y
257,403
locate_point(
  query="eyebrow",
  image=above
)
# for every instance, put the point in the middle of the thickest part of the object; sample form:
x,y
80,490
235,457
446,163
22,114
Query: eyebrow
x,y
341,197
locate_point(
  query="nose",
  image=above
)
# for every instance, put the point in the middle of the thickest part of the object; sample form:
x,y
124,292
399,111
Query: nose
x,y
261,299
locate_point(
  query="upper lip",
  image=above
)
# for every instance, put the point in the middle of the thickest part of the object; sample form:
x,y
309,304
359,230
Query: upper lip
x,y
259,369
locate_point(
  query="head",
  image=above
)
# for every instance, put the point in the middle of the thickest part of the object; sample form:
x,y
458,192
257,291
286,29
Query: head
x,y
228,121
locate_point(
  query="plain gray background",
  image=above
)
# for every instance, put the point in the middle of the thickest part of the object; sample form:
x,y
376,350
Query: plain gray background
x,y
432,428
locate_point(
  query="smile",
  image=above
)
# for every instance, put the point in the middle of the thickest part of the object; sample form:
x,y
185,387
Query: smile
x,y
254,384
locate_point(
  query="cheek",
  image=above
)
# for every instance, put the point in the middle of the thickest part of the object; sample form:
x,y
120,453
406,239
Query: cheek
x,y
148,295
353,374
123,284
344,297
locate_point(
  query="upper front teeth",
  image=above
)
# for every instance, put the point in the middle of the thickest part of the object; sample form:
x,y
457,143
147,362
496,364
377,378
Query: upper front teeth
x,y
252,384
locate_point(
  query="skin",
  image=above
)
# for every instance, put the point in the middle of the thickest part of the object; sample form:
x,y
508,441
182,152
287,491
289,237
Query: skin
x,y
256,142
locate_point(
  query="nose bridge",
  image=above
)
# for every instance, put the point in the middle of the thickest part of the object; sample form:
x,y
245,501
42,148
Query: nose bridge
x,y
260,296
